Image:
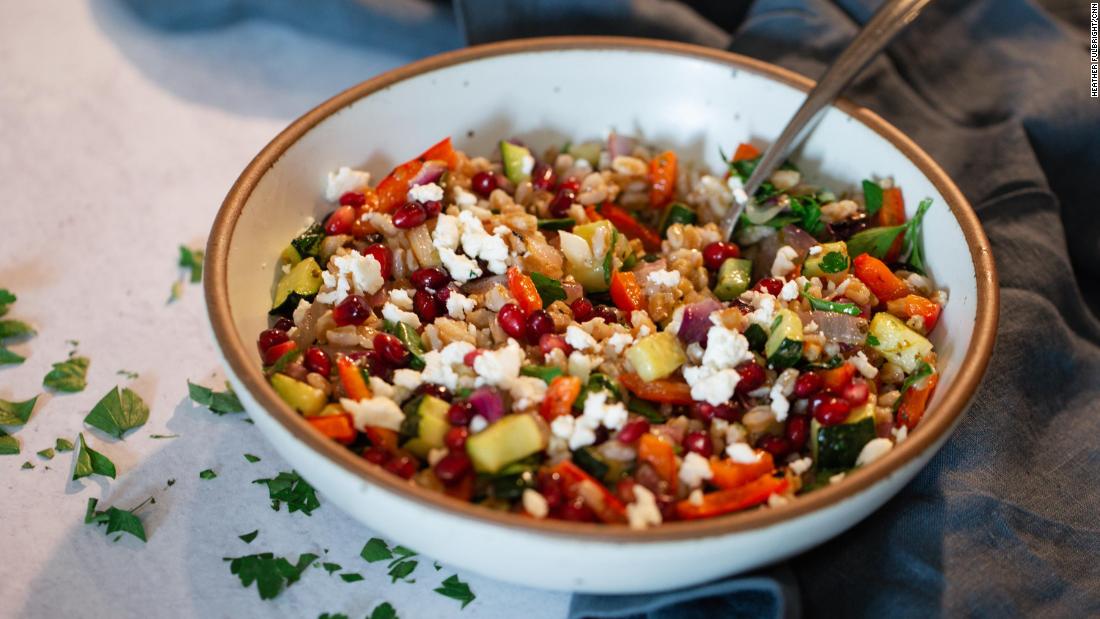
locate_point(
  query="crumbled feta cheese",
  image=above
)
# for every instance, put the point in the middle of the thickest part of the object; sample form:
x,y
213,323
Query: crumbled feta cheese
x,y
617,342
300,311
711,385
873,450
694,352
784,261
940,297
580,365
811,327
790,291
579,339
764,312
526,164
435,455
477,243
742,453
425,193
498,367
800,466
464,198
535,504
696,497
726,348
478,423
354,273
835,479
677,320
344,180
447,232
407,379
375,411
668,279
393,313
715,379
815,250
526,391
439,364
461,268
380,388
400,297
569,429
777,500
643,512
458,304
863,364
734,182
598,412
694,470
900,434
783,386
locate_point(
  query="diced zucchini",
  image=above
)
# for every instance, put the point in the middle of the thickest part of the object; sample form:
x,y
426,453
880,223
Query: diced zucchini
x,y
426,422
757,337
304,280
290,255
900,345
517,161
734,277
676,213
331,408
784,346
590,462
837,447
303,397
656,356
510,439
308,243
582,263
589,151
562,223
832,263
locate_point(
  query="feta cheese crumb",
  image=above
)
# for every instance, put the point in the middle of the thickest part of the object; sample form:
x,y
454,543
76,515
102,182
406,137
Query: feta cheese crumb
x,y
500,366
300,311
598,412
478,423
447,233
526,391
617,342
406,379
694,470
535,504
696,496
458,304
354,273
435,455
777,500
643,512
835,479
580,365
800,466
375,411
668,279
464,198
863,364
790,291
579,339
677,320
381,388
344,180
439,364
900,434
784,261
425,193
815,250
400,297
873,450
715,379
784,385
742,453
461,268
393,313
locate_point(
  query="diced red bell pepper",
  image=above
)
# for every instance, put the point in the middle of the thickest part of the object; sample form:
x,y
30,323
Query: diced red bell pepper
x,y
626,223
892,213
835,379
560,395
734,499
662,179
442,151
914,402
914,305
625,291
337,427
879,278
745,151
383,438
592,214
355,386
394,189
606,506
271,355
662,390
524,290
661,456
729,474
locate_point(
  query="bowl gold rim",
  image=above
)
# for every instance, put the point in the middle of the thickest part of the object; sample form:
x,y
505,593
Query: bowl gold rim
x,y
241,357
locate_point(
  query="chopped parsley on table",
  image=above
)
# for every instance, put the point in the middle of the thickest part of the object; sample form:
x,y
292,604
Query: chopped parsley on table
x,y
270,573
117,520
219,402
248,537
91,462
10,329
454,588
191,261
118,412
289,487
69,375
16,413
251,458
62,445
46,454
208,474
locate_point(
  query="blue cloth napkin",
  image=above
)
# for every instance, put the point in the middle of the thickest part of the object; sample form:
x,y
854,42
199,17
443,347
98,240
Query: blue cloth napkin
x,y
1003,522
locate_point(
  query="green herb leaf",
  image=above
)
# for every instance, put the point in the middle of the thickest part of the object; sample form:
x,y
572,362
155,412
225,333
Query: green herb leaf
x,y
608,262
208,474
383,611
7,357
14,328
284,360
251,458
874,241
454,588
47,453
248,537
877,241
117,520
308,243
550,290
332,568
16,413
912,241
562,223
411,339
376,550
872,196
546,372
6,299
91,462
808,210
437,565
118,412
351,577
402,569
834,262
27,465
162,436
332,616
289,487
270,573
831,306
69,376
872,340
219,402
127,374
62,445
9,445
645,409
192,259
923,371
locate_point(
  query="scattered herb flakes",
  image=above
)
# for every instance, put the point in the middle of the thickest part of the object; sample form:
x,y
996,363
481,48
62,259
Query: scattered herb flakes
x,y
872,196
454,588
161,436
72,343
251,458
270,573
14,328
834,262
192,259
171,482
289,487
27,465
877,241
16,413
549,289
383,611
248,537
7,357
437,566
332,616
118,412
47,453
127,374
91,462
219,402
351,577
376,550
208,474
117,520
6,299
923,371
9,445
69,376
872,340
62,445
177,291
332,568
401,569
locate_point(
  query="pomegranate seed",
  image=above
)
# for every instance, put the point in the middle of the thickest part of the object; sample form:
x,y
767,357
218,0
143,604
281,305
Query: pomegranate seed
x,y
797,431
452,467
443,295
633,430
539,323
317,360
433,208
377,365
271,337
550,488
572,183
426,306
409,215
550,341
727,412
718,252
376,455
339,222
271,355
700,443
402,466
283,324
770,285
438,391
353,310
808,384
384,256
512,321
608,313
830,411
429,279
703,411
353,198
460,414
577,511
582,310
390,349
542,176
752,376
855,392
455,439
468,360
777,446
563,199
483,183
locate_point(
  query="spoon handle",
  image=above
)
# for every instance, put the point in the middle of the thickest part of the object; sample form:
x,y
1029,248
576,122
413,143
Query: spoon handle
x,y
891,18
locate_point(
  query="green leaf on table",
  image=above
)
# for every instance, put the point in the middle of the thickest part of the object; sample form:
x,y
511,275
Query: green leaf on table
x,y
9,445
251,458
117,520
402,569
27,465
550,289
383,611
332,616
332,568
14,328
91,462
69,375
376,550
192,259
16,413
289,487
46,454
219,402
62,445
7,357
248,537
270,573
208,474
118,412
163,436
437,566
127,374
351,577
454,588
6,299
872,196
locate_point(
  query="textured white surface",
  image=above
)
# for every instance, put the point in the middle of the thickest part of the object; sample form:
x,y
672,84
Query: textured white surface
x,y
117,144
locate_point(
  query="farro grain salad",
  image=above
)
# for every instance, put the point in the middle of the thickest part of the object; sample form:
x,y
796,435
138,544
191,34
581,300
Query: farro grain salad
x,y
567,336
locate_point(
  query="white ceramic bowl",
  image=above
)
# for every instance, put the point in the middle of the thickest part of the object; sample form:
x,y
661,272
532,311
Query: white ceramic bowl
x,y
547,91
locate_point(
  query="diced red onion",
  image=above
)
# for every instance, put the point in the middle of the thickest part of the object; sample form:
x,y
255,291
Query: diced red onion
x,y
798,239
488,403
620,145
482,285
430,172
840,328
696,320
573,291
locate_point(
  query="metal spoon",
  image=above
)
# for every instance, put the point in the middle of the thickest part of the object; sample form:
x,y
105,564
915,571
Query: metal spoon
x,y
884,25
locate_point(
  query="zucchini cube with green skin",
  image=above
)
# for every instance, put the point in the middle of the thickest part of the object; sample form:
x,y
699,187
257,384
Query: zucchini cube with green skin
x,y
784,346
517,161
512,438
676,213
303,280
838,447
734,277
589,151
590,274
900,345
656,356
430,426
302,397
832,263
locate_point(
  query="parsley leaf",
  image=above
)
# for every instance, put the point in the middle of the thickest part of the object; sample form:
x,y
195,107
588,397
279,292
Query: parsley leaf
x,y
8,357
872,196
118,412
16,413
192,259
608,262
411,339
91,462
830,306
872,340
208,474
550,289
332,616
351,577
69,376
402,569
332,568
219,402
127,374
376,550
289,487
877,241
117,520
383,611
248,537
27,465
270,573
923,371
834,262
14,328
6,299
546,372
454,588
47,453
9,445
808,210
62,445
251,458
